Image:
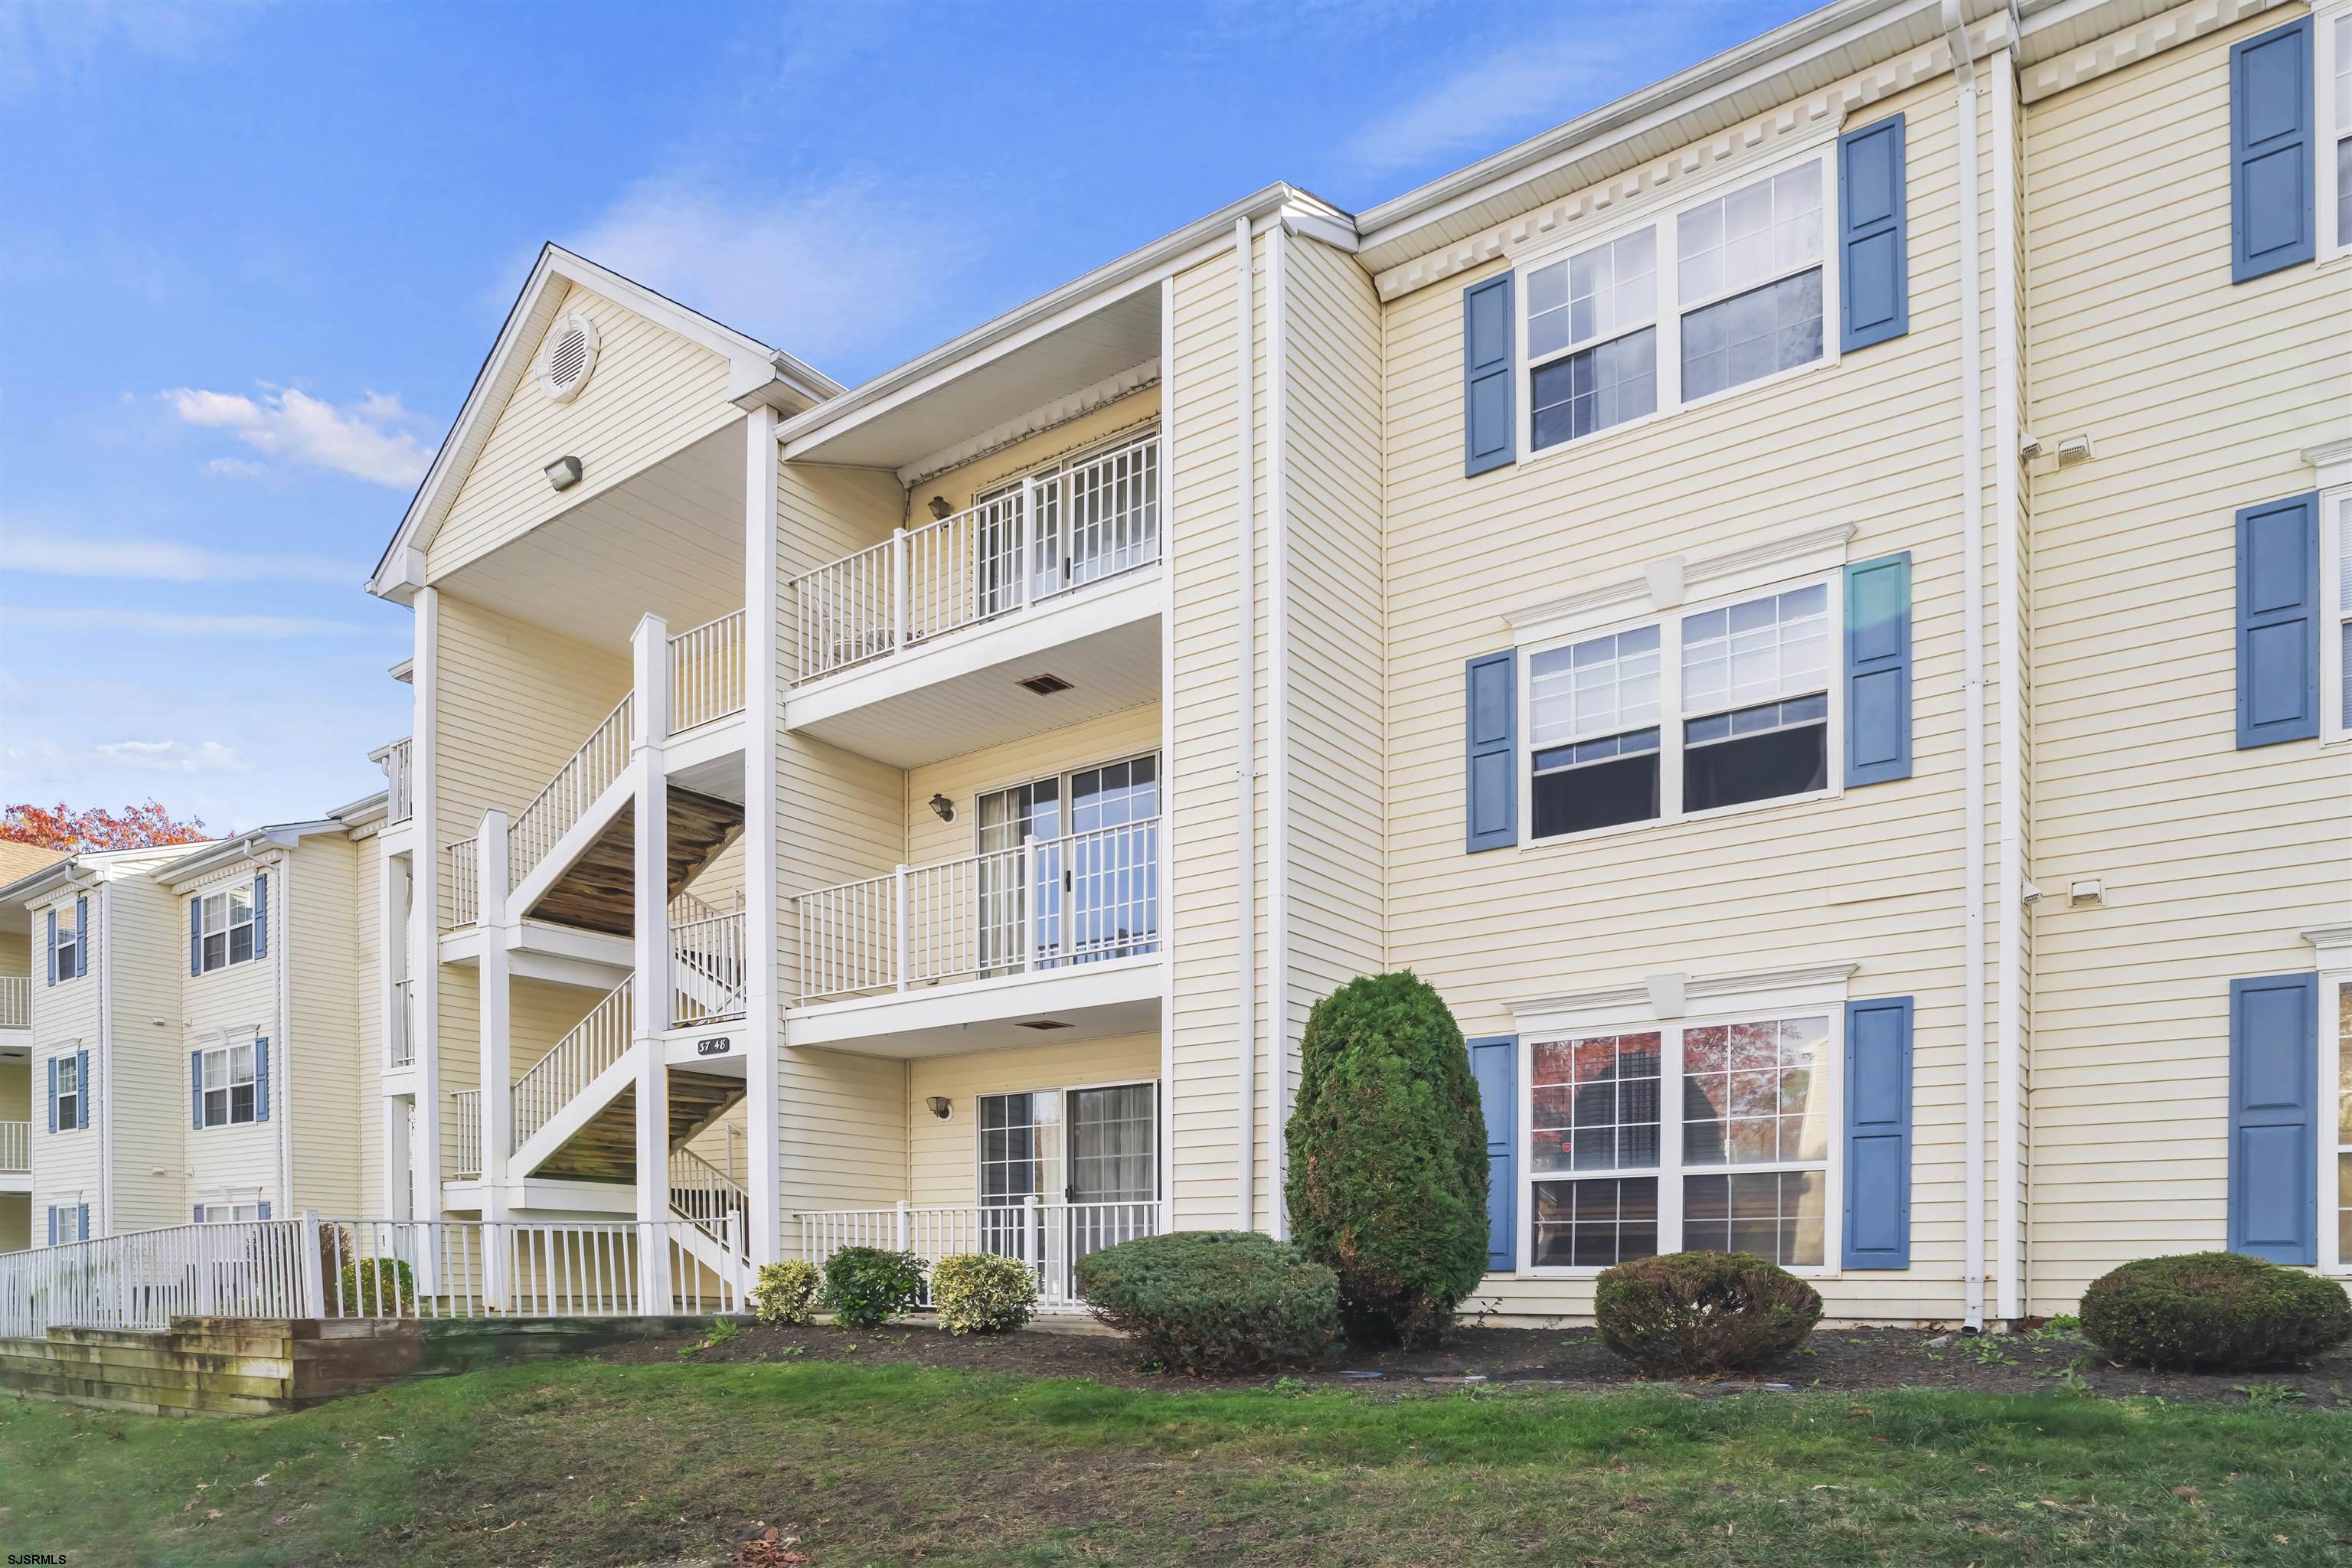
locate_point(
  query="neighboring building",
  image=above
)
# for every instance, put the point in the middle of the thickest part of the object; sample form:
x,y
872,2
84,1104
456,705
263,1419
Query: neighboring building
x,y
1825,580
193,1031
16,861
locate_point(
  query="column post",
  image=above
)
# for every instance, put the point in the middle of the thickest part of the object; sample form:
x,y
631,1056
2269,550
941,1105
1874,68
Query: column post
x,y
497,1018
649,726
762,939
424,912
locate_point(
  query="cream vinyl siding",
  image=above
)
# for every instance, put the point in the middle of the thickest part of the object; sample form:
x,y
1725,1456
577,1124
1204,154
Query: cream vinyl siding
x,y
2199,395
16,1222
1333,707
943,1157
1872,877
17,1092
1113,738
327,1066
17,953
367,1002
149,964
64,1019
841,1130
721,883
651,392
1200,784
234,1006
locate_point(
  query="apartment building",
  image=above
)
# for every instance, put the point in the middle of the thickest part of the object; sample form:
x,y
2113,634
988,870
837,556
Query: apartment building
x,y
1826,579
189,1045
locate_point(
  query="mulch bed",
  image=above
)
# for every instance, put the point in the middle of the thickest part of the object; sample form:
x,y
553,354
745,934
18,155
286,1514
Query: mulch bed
x,y
1843,1359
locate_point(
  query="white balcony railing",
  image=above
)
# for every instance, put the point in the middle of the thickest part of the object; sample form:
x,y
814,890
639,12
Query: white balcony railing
x,y
1049,903
707,1195
1050,1237
399,779
252,1269
16,1148
705,673
1051,535
568,795
16,1001
468,1103
465,884
708,975
594,1044
400,1029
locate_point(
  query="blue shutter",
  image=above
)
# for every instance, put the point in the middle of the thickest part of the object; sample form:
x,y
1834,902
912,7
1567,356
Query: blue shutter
x,y
2273,1118
53,1094
1878,1133
83,1089
1495,1063
2278,622
196,1090
2273,206
197,934
1878,670
81,1222
261,916
261,1078
53,1225
1874,258
1490,426
81,936
1492,731
265,1209
197,1214
53,946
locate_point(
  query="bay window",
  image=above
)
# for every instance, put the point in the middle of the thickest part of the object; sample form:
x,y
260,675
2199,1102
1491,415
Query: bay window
x,y
1743,1165
1701,711
1691,303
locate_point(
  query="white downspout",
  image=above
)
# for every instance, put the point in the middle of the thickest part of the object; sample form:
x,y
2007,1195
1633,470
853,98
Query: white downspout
x,y
282,1059
1277,740
1972,664
106,1044
1244,722
2009,674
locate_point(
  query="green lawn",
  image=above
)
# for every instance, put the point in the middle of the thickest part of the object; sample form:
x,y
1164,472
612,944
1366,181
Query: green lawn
x,y
587,1463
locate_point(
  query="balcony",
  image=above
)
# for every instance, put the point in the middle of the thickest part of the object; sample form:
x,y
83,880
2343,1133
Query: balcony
x,y
400,1033
400,792
983,951
16,1001
931,643
16,1148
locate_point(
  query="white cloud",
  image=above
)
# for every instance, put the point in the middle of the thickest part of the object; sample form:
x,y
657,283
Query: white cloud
x,y
1528,85
832,272
162,561
166,623
374,439
171,756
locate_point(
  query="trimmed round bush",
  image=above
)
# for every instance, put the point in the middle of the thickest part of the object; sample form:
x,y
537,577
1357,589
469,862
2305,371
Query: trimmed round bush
x,y
864,1286
981,1293
1690,1313
1388,1159
2218,1309
1211,1301
786,1292
378,1288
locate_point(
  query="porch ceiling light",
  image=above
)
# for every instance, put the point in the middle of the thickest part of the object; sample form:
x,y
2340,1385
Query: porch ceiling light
x,y
941,1106
942,807
563,473
940,510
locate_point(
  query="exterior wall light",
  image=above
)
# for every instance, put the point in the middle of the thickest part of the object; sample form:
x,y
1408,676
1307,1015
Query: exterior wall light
x,y
940,510
941,1106
942,807
563,473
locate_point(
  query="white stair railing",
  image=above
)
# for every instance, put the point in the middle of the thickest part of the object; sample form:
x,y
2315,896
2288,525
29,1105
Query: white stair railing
x,y
400,792
17,1148
1048,535
705,1195
567,796
709,978
400,1038
1078,898
468,1108
705,673
465,884
16,1001
594,1043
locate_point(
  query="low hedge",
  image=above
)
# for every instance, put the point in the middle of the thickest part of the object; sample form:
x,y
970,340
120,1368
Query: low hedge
x,y
1690,1313
786,1292
864,1286
981,1293
2217,1310
1211,1301
378,1288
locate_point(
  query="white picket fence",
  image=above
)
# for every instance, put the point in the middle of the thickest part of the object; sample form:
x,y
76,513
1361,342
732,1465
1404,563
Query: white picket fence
x,y
310,1267
1050,1237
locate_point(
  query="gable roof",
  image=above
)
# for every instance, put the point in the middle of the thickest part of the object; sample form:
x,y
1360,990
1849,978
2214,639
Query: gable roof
x,y
18,860
758,375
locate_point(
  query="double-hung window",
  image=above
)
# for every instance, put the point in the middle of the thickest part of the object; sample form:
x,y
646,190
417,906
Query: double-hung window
x,y
1702,709
1701,1136
69,1089
68,945
2334,81
1695,302
229,1213
229,1085
2335,631
228,927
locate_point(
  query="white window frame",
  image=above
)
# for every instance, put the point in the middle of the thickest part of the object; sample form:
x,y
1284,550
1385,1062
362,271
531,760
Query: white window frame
x,y
69,1214
1670,1170
2336,598
69,1063
226,902
1663,212
69,941
229,1084
1671,720
225,1211
2335,1055
1062,1094
2332,40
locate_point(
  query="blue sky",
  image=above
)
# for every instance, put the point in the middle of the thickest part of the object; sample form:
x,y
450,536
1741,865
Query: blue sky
x,y
252,256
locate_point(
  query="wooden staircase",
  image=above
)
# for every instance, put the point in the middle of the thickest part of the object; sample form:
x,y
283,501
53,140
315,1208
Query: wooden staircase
x,y
596,892
606,1148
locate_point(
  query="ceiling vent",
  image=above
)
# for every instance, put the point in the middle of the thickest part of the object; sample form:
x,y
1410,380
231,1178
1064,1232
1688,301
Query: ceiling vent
x,y
1045,685
569,357
1042,1023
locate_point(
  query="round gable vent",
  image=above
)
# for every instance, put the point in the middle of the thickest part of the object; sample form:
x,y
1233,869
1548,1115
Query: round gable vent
x,y
569,355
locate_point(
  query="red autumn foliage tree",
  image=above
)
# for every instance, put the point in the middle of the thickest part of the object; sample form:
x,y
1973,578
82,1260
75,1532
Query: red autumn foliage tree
x,y
134,828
